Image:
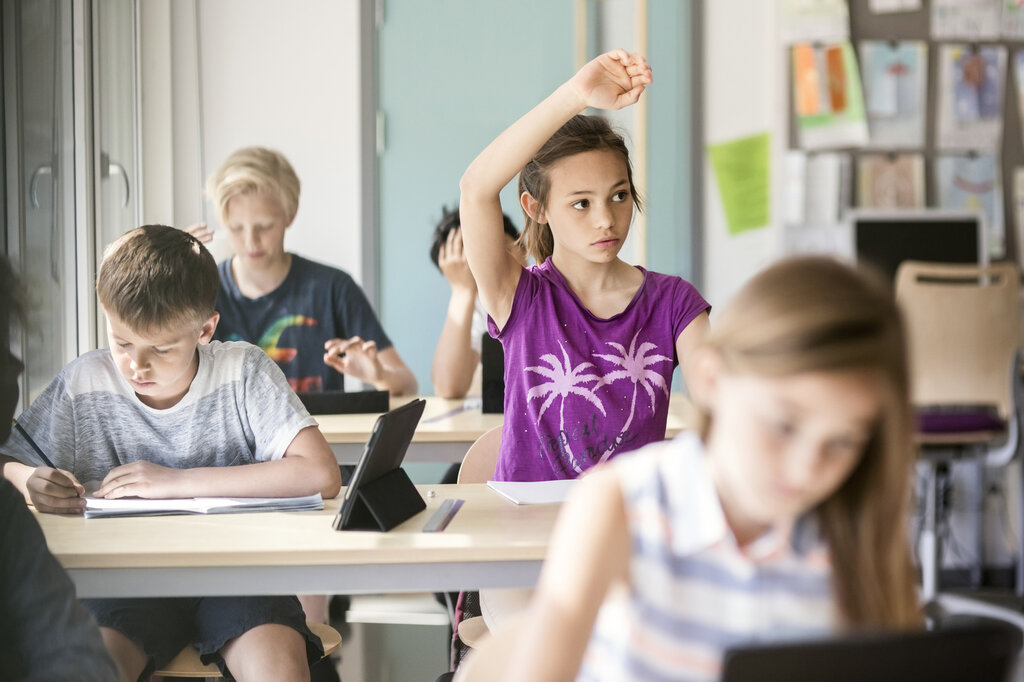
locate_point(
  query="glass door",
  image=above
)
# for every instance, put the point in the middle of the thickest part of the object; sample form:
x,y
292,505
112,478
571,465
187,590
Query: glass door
x,y
38,160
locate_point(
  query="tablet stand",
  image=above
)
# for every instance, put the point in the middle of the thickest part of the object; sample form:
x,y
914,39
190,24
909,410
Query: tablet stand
x,y
385,502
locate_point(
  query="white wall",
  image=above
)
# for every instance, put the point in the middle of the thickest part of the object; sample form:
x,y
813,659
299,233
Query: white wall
x,y
278,74
745,91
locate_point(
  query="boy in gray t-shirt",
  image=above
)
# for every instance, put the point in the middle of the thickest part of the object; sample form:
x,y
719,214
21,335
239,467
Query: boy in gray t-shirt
x,y
166,413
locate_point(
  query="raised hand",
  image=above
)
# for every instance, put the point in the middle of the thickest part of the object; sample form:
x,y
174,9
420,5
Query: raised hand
x,y
453,264
201,232
613,80
55,491
356,358
141,479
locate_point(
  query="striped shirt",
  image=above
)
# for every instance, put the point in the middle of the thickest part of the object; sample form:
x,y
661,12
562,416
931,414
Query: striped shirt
x,y
693,591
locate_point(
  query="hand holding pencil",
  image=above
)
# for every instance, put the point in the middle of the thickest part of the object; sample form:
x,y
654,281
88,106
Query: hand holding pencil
x,y
51,489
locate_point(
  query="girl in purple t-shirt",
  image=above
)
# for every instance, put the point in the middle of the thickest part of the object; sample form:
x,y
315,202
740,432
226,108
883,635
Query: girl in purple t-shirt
x,y
590,341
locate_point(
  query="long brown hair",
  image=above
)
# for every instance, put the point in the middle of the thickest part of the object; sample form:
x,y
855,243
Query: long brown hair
x,y
813,314
579,134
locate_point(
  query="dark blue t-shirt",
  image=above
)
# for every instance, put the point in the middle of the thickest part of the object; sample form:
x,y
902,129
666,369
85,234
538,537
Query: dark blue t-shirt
x,y
314,303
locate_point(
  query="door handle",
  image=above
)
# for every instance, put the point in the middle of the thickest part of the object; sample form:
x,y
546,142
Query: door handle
x,y
42,169
110,168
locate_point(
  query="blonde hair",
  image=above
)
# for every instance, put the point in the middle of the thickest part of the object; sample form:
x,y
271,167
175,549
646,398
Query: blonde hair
x,y
813,314
579,134
255,169
157,278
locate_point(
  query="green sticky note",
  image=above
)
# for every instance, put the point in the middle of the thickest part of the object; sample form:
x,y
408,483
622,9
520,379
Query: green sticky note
x,y
743,173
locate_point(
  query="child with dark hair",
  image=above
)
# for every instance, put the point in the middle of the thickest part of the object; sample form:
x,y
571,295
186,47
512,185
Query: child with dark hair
x,y
454,369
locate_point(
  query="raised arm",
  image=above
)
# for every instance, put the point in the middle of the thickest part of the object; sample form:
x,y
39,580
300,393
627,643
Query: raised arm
x,y
455,360
611,81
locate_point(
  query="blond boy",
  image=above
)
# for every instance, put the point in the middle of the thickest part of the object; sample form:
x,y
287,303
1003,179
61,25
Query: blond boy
x,y
166,413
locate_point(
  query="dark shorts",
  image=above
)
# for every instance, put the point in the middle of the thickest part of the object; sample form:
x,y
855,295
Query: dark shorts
x,y
164,626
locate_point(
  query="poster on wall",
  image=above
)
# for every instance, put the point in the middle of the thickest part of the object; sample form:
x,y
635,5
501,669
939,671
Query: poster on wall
x,y
895,84
1013,19
970,86
828,100
743,175
808,21
816,188
972,182
888,181
966,19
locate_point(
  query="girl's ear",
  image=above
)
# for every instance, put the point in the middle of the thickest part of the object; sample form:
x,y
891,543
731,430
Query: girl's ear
x,y
708,366
532,208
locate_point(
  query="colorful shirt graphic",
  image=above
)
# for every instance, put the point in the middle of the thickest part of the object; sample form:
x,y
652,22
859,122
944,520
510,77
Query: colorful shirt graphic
x,y
581,389
314,303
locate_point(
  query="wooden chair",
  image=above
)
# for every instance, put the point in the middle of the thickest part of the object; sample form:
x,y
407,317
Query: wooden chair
x,y
187,663
963,330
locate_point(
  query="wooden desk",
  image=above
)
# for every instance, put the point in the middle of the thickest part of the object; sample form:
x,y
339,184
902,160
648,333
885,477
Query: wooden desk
x,y
490,543
448,428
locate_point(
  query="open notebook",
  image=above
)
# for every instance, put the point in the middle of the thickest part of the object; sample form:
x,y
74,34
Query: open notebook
x,y
100,508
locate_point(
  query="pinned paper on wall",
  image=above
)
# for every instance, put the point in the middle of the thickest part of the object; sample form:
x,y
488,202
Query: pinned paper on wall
x,y
973,182
1018,203
813,21
1018,77
1013,19
890,181
828,100
977,19
889,6
971,96
742,172
895,82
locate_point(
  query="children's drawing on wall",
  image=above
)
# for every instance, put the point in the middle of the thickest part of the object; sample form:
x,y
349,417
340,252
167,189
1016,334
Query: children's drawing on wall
x,y
808,21
973,183
973,19
828,100
889,6
1013,19
895,81
970,96
890,181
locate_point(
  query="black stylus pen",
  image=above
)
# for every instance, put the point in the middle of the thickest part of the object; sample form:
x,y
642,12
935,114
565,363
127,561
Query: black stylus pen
x,y
39,451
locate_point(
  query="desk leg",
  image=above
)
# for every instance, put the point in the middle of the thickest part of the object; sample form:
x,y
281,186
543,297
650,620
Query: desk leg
x,y
928,549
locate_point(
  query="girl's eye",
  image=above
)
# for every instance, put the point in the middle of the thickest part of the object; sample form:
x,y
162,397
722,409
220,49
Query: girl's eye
x,y
620,196
581,204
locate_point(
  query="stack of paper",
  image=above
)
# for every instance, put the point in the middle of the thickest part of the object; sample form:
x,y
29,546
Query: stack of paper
x,y
100,508
535,492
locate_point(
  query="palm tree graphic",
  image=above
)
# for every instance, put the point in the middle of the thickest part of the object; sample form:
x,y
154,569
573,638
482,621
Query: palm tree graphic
x,y
635,366
564,379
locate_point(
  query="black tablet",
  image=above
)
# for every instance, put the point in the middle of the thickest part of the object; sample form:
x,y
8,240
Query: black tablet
x,y
380,494
344,402
983,651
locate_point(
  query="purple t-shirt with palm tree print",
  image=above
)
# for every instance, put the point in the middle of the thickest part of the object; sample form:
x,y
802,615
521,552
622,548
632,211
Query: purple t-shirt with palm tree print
x,y
580,389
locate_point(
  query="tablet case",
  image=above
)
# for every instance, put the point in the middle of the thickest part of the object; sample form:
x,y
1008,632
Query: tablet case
x,y
380,495
492,375
342,402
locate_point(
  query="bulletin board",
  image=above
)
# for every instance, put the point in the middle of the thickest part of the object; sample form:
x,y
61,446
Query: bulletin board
x,y
916,25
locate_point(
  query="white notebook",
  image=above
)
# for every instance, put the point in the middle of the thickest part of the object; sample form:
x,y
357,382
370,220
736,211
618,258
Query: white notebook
x,y
533,492
99,507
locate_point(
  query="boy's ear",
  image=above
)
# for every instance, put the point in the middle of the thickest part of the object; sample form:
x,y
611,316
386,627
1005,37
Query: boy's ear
x,y
532,208
208,328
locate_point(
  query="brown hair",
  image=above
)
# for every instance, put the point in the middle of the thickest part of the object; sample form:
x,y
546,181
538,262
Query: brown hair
x,y
255,169
813,314
157,277
579,134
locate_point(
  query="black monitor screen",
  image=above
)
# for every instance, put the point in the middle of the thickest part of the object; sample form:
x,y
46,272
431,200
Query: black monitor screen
x,y
885,242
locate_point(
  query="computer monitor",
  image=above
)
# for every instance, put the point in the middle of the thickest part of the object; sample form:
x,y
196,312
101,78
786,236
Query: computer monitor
x,y
886,239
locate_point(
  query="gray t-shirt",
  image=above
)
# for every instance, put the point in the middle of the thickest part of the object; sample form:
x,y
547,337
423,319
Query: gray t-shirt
x,y
238,410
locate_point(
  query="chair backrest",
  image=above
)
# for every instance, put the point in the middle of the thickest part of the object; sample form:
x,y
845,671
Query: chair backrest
x,y
963,329
482,458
